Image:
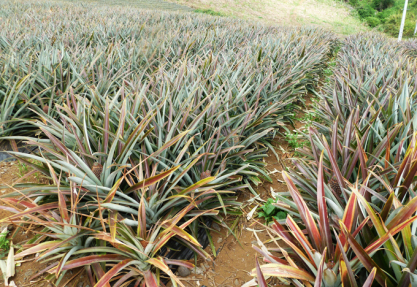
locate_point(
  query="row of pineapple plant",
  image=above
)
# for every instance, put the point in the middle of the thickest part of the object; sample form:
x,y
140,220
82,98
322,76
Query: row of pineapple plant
x,y
353,186
145,124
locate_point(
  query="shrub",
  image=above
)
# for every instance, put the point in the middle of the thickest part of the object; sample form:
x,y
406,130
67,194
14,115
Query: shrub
x,y
392,25
382,4
372,21
366,11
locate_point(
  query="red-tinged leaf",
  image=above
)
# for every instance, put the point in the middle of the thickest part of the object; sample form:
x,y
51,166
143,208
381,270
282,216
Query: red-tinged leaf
x,y
320,270
359,228
62,206
391,232
38,248
151,180
99,272
344,278
124,278
26,204
181,233
382,145
363,159
334,138
46,206
302,240
10,209
373,216
335,166
322,208
197,185
370,279
183,263
387,153
408,179
387,207
150,280
284,271
406,212
113,272
113,224
390,246
58,144
347,276
106,126
113,191
402,167
349,218
270,258
367,261
90,260
160,264
412,264
305,214
90,274
141,231
283,233
297,251
259,275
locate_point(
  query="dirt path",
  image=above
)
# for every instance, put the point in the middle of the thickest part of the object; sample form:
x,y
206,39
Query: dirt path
x,y
234,262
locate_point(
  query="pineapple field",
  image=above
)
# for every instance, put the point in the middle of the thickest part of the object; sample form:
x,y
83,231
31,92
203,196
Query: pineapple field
x,y
161,147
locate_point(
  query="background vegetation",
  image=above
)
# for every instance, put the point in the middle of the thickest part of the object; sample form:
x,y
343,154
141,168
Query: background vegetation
x,y
385,15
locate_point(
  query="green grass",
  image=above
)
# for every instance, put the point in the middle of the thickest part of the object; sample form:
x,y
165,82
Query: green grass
x,y
209,12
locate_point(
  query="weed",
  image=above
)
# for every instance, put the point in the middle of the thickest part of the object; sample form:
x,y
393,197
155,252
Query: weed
x,y
293,140
271,211
4,242
23,169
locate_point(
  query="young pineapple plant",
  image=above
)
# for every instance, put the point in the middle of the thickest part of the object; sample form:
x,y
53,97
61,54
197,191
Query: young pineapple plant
x,y
74,239
352,250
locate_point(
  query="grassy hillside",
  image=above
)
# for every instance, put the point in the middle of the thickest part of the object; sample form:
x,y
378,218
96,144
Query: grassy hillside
x,y
329,14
